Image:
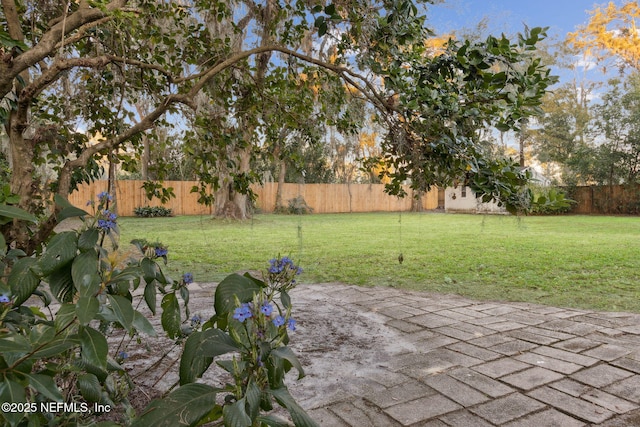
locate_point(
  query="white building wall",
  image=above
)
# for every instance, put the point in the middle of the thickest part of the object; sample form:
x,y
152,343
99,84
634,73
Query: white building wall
x,y
462,199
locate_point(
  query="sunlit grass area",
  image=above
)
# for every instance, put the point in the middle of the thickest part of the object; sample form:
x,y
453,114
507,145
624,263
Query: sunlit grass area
x,y
574,261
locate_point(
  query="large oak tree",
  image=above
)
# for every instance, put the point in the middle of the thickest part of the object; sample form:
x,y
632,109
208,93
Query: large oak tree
x,y
75,70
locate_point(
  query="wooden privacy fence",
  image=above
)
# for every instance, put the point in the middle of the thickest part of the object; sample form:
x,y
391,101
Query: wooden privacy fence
x,y
131,195
606,199
323,198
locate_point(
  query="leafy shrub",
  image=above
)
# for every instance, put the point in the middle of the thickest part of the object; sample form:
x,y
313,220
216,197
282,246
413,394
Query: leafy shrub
x,y
63,357
57,364
152,211
550,201
252,318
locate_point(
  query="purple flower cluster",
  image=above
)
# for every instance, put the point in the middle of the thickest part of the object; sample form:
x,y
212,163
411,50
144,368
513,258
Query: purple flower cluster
x,y
280,321
266,309
160,251
277,266
243,312
104,197
108,220
187,278
4,298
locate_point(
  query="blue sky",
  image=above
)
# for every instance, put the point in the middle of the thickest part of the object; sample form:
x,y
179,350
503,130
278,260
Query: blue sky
x,y
508,16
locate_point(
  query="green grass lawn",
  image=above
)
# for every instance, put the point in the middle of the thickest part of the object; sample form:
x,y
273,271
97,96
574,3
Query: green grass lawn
x,y
575,261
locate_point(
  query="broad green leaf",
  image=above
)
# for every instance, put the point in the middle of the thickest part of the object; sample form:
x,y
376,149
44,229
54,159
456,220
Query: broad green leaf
x,y
233,286
56,347
214,415
22,280
149,269
71,212
193,362
216,343
94,347
88,239
62,202
16,213
61,249
252,396
86,309
151,295
90,387
122,310
142,324
255,280
200,349
84,272
235,415
322,28
127,275
170,318
12,392
238,332
287,354
106,314
186,406
286,299
298,415
14,342
61,284
41,334
184,294
45,385
330,9
65,315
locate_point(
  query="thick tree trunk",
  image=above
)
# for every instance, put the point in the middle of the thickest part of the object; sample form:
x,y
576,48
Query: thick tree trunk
x,y
113,181
281,175
522,141
21,151
228,202
146,156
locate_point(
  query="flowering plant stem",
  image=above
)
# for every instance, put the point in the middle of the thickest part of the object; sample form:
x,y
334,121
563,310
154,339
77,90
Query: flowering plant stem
x,y
250,323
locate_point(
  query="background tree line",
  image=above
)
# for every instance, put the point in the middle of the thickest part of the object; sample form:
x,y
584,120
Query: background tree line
x,y
587,135
212,88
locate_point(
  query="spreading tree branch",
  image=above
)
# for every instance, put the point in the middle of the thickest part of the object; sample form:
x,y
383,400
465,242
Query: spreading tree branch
x,y
46,47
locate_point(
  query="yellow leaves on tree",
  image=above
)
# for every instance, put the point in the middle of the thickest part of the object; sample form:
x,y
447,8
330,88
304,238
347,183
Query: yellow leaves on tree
x,y
310,81
611,32
436,46
368,148
367,144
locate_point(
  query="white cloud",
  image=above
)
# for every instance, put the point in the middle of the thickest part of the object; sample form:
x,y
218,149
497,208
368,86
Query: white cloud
x,y
584,61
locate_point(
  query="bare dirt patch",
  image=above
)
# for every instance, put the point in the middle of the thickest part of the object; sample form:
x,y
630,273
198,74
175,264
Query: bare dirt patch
x,y
341,349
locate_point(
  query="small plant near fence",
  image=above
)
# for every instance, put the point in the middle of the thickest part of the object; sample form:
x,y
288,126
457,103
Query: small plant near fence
x,y
298,206
550,201
58,368
152,211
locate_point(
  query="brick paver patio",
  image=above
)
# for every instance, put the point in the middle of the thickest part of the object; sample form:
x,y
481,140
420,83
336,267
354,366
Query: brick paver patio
x,y
486,364
391,358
